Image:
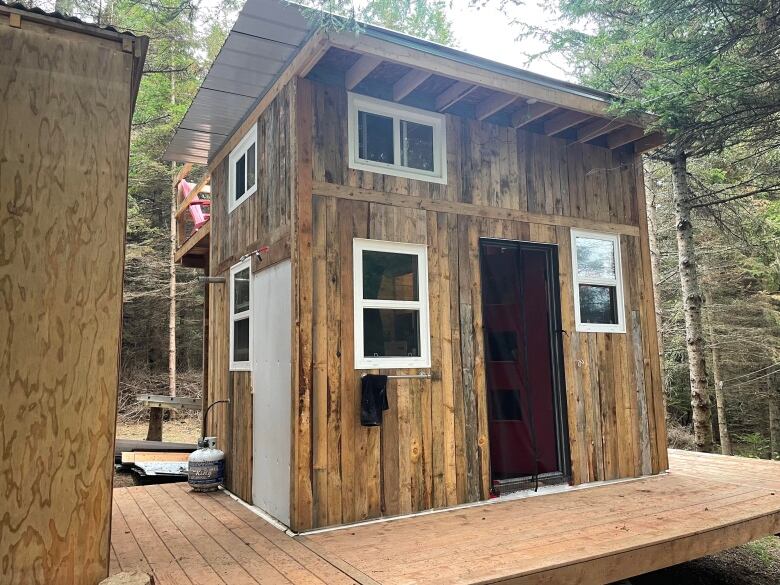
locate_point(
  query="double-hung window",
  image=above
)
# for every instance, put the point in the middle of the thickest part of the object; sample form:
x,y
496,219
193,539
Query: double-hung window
x,y
393,139
598,282
240,320
243,169
391,305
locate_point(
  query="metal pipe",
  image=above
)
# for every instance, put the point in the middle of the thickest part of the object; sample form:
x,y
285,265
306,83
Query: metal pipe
x,y
211,280
421,375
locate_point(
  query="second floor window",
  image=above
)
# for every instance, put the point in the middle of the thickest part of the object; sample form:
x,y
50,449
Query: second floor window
x,y
393,139
243,169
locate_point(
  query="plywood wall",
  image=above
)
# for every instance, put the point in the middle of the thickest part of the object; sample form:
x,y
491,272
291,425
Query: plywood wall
x,y
262,220
64,132
432,449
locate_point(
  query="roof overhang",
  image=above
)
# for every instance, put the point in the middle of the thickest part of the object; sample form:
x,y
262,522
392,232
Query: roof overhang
x,y
266,43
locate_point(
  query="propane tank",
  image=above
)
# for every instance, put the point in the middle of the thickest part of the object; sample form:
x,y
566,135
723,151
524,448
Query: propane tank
x,y
206,466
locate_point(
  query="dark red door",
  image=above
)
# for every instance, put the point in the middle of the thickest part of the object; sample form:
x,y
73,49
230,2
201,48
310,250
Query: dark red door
x,y
520,296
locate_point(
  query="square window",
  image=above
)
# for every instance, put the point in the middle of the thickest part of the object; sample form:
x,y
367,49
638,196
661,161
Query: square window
x,y
417,146
598,304
391,305
598,282
375,135
242,168
393,139
390,276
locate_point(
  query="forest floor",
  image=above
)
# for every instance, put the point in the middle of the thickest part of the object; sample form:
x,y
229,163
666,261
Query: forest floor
x,y
185,429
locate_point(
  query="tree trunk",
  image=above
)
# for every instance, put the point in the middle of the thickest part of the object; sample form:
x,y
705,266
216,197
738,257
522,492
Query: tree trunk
x,y
720,400
655,266
172,268
692,302
154,433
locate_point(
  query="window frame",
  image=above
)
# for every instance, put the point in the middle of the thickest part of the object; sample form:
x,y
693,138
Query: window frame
x,y
242,366
363,362
241,149
357,103
617,282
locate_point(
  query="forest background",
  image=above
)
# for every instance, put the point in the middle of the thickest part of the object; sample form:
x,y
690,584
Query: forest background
x,y
733,203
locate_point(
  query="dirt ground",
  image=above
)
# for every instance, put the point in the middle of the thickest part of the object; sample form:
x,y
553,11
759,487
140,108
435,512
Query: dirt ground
x,y
178,430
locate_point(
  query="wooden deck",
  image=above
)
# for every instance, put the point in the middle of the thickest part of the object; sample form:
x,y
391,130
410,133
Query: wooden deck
x,y
594,535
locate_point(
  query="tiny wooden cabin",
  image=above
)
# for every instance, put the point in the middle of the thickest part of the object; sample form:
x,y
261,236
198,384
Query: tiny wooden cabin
x,y
474,231
68,91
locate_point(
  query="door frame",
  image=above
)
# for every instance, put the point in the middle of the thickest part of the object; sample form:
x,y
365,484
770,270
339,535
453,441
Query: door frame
x,y
556,333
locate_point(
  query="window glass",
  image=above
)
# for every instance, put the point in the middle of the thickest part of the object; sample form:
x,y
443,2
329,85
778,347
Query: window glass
x,y
251,162
391,332
598,304
241,340
375,138
595,258
417,145
241,291
390,276
240,176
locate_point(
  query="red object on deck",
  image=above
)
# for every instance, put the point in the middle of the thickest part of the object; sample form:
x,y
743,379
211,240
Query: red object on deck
x,y
197,213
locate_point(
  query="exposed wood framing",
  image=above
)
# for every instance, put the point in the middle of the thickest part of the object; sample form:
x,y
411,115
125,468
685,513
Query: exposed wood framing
x,y
493,105
563,121
530,113
649,142
360,70
408,83
441,65
193,241
597,128
453,94
623,136
202,187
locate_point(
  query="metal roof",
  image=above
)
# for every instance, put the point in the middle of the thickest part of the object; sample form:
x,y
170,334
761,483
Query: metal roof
x,y
266,36
263,41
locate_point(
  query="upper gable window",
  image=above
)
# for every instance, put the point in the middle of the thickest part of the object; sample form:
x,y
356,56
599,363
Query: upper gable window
x,y
243,169
397,140
598,282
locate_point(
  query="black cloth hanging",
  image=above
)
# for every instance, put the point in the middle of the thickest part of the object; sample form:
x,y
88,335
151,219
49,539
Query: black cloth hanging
x,y
373,400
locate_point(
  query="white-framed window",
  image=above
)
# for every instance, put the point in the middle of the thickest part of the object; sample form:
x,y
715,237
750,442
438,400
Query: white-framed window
x,y
598,282
391,305
240,316
243,169
389,138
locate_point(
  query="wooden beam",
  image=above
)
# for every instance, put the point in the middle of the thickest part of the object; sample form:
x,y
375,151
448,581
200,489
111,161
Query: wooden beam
x,y
360,70
413,202
454,93
530,113
193,241
183,172
494,104
649,142
598,127
408,83
563,121
466,72
300,66
623,136
202,187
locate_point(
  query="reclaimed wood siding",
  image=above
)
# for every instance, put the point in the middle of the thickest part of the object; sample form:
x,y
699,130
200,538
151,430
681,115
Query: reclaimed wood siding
x,y
262,220
432,448
64,135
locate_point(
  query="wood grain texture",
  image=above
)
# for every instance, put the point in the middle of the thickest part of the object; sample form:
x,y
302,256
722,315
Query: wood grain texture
x,y
433,447
64,132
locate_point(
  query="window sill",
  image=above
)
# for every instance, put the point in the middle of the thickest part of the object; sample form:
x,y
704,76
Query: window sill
x,y
585,328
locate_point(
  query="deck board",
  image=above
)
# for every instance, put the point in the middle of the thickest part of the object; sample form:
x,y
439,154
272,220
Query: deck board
x,y
593,535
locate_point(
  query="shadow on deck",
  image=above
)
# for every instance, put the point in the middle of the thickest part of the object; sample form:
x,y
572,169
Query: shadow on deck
x,y
598,534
